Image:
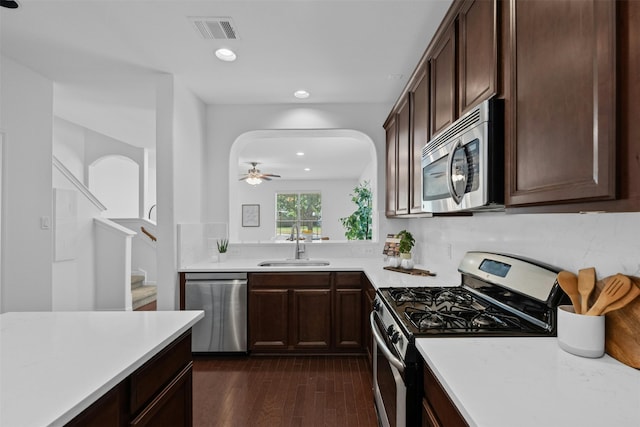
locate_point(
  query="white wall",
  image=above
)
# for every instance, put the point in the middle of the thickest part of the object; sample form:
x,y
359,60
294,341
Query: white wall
x,y
115,182
225,123
73,280
78,147
26,117
336,203
180,130
99,146
609,242
68,146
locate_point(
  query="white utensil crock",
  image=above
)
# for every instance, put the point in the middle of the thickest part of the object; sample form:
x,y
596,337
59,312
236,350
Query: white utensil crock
x,y
580,334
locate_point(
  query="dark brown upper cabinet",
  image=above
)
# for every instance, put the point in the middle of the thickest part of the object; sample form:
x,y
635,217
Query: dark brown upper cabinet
x,y
391,165
419,136
561,145
398,134
477,53
457,71
403,156
464,62
442,63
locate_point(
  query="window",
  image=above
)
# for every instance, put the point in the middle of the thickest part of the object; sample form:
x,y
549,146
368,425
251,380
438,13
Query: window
x,y
304,209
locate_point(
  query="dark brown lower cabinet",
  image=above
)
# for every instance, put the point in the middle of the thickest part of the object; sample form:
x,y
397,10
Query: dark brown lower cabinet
x,y
348,310
108,411
368,297
269,319
172,406
159,393
311,313
437,408
311,319
348,330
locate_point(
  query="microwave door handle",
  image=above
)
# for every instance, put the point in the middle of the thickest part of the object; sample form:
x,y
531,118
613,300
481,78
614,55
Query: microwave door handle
x,y
383,346
452,190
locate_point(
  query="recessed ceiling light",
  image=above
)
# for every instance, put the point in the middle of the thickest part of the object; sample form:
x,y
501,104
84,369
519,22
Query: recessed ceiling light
x,y
307,169
301,94
299,153
226,55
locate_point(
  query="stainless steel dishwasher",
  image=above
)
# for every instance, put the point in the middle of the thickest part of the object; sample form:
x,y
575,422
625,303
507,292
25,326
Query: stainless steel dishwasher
x,y
223,297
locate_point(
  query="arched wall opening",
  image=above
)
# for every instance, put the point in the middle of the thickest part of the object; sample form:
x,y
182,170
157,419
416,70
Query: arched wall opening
x,y
114,180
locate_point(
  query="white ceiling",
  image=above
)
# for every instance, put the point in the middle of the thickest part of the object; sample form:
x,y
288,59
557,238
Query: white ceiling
x,y
101,54
337,157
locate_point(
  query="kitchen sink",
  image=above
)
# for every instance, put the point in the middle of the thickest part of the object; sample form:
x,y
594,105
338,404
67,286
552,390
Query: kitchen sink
x,y
294,263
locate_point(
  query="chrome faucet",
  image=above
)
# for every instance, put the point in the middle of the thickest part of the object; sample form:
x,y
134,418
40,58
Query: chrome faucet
x,y
299,248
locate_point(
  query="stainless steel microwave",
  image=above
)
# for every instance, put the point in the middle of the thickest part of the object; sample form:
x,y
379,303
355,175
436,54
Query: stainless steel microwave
x,y
463,166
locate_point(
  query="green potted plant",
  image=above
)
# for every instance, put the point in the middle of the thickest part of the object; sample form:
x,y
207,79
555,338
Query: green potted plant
x,y
223,245
358,224
407,243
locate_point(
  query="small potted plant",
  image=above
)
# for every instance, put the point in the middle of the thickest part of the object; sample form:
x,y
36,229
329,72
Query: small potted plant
x,y
223,245
406,244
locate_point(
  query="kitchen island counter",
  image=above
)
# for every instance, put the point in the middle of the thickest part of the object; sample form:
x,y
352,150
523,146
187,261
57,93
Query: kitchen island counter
x,y
53,365
531,382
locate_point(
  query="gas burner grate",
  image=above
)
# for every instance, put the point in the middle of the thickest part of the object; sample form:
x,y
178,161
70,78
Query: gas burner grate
x,y
411,295
426,319
454,297
460,318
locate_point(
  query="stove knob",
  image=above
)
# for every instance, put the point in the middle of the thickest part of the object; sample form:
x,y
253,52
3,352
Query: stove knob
x,y
396,337
391,330
376,305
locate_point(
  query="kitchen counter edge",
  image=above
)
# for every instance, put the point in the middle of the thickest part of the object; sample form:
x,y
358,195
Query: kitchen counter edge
x,y
39,349
530,381
373,269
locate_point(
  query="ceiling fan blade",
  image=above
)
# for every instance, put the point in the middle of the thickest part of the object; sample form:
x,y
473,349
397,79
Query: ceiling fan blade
x,y
265,178
271,175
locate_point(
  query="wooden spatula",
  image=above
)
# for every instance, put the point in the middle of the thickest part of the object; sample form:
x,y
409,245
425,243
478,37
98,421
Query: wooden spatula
x,y
569,284
586,283
626,299
617,287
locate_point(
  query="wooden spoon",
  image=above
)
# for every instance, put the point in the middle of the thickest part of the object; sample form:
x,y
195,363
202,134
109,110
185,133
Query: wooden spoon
x,y
569,284
617,287
586,283
630,296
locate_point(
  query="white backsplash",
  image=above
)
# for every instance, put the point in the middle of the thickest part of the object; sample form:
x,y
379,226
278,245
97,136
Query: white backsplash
x,y
197,242
610,242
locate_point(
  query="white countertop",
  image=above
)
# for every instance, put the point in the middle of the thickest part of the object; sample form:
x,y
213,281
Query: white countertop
x,y
531,382
372,267
502,382
53,365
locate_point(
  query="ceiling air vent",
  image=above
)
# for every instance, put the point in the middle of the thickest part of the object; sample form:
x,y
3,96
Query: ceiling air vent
x,y
216,28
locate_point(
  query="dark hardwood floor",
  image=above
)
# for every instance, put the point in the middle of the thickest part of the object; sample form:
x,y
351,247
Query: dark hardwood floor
x,y
283,391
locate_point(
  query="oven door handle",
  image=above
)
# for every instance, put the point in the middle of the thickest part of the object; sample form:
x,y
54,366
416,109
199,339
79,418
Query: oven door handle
x,y
397,363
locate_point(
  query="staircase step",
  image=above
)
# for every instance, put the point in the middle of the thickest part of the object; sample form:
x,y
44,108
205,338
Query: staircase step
x,y
137,280
143,295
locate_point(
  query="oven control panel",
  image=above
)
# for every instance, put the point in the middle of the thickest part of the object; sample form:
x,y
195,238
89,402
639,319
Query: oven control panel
x,y
390,327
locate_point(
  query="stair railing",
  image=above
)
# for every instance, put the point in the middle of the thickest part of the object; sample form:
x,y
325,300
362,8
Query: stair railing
x,y
151,236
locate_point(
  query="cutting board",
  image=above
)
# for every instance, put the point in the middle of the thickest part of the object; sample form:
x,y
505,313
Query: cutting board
x,y
622,330
413,271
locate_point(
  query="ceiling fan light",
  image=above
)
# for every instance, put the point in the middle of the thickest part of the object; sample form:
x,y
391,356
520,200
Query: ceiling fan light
x,y
252,180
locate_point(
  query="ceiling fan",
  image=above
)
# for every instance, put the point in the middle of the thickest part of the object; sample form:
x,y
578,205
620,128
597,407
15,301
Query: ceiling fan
x,y
255,177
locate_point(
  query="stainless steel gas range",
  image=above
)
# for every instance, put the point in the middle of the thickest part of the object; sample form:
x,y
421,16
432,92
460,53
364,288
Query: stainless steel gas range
x,y
499,295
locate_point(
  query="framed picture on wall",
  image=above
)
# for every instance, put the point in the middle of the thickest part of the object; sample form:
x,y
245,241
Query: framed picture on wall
x,y
251,215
